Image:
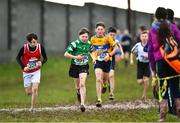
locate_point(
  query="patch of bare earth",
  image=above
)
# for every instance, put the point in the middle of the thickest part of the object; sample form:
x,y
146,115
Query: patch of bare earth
x,y
128,105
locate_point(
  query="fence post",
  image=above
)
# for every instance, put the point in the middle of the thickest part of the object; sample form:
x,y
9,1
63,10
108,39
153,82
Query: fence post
x,y
90,6
9,45
114,17
42,21
129,16
67,25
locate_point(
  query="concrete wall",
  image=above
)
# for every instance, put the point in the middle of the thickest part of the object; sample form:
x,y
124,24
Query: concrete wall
x,y
25,19
79,17
3,25
121,18
55,27
56,24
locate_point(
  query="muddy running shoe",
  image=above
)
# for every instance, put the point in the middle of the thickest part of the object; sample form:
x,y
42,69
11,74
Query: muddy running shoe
x,y
98,103
32,110
82,107
104,87
111,97
78,96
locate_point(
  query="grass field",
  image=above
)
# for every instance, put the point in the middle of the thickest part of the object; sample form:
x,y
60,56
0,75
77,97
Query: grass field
x,y
57,88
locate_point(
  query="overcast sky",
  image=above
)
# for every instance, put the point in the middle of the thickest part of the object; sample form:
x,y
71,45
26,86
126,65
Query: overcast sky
x,y
148,6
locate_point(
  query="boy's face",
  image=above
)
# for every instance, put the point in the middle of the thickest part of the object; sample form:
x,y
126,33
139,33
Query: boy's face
x,y
144,37
84,37
100,31
33,43
112,34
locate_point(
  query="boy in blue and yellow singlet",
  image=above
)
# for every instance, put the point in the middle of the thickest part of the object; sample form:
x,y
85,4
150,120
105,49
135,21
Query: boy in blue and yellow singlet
x,y
102,56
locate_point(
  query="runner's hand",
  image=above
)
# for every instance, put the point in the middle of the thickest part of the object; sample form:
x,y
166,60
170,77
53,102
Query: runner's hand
x,y
39,63
106,58
79,57
26,68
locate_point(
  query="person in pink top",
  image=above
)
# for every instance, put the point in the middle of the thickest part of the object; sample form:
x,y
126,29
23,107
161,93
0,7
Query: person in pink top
x,y
169,94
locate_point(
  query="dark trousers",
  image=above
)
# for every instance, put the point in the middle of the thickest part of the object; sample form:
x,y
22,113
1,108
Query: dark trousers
x,y
172,89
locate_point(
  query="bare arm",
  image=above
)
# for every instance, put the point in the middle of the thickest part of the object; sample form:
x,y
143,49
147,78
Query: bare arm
x,y
121,50
70,56
131,58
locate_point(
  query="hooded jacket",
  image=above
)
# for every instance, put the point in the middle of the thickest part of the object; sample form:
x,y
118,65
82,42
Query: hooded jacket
x,y
153,44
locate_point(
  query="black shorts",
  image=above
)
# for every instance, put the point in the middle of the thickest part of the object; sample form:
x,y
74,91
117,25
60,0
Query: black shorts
x,y
143,70
105,66
75,70
126,48
164,70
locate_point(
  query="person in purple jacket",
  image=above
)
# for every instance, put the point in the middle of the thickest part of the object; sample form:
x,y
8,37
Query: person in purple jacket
x,y
168,89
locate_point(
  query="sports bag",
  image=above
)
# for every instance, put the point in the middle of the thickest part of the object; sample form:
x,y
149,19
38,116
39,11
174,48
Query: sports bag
x,y
171,53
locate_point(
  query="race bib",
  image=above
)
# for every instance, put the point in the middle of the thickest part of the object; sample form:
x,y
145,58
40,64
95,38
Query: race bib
x,y
144,58
83,61
101,56
32,64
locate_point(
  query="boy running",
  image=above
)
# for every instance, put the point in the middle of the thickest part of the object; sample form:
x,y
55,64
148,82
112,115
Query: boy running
x,y
143,70
29,58
102,57
78,51
116,57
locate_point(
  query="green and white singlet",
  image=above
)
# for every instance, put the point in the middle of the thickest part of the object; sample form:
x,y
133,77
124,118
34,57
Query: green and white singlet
x,y
78,47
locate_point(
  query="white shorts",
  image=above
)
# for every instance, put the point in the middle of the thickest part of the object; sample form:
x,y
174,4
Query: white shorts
x,y
30,78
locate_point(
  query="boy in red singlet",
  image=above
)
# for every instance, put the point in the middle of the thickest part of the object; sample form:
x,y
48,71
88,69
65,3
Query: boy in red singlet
x,y
29,58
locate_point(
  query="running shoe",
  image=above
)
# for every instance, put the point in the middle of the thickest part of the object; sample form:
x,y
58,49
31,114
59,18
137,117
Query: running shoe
x,y
111,97
98,103
82,107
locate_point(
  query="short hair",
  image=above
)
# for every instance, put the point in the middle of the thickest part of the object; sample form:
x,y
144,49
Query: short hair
x,y
161,13
144,32
111,29
170,14
83,31
31,36
142,27
100,24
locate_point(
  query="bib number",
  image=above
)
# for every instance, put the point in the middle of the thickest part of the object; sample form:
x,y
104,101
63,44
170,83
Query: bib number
x,y
32,64
83,61
101,56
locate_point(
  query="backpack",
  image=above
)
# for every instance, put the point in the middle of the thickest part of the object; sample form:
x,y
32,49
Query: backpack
x,y
171,53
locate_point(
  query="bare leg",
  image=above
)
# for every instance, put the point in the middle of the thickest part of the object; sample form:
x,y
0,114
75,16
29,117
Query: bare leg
x,y
82,78
77,86
35,87
76,82
126,57
99,81
105,79
105,76
146,84
28,90
111,82
141,82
